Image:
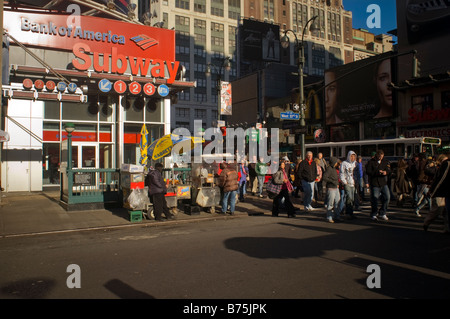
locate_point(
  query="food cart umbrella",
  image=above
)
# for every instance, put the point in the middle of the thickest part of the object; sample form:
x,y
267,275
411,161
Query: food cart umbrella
x,y
143,146
163,146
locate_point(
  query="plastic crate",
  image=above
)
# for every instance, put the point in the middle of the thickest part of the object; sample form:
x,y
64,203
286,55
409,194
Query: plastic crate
x,y
135,216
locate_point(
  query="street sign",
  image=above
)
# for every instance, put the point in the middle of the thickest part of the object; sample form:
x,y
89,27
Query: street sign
x,y
105,85
61,86
72,87
163,90
27,84
289,116
39,84
50,85
120,86
149,89
135,87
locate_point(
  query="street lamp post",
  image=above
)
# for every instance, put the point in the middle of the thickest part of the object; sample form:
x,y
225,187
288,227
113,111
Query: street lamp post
x,y
301,62
69,128
225,65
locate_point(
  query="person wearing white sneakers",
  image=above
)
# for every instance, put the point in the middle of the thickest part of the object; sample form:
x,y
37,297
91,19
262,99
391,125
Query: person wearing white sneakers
x,y
307,173
378,169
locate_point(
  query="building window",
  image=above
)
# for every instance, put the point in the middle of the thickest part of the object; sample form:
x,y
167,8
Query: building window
x,y
200,114
182,124
234,9
422,102
217,8
182,112
182,4
184,95
200,97
200,6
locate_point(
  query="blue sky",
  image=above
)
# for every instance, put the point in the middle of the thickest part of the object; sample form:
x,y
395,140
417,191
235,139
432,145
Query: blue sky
x,y
388,14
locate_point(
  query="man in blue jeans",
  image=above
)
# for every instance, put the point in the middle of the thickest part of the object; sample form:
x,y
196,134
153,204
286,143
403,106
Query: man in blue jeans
x,y
228,182
378,169
347,177
307,173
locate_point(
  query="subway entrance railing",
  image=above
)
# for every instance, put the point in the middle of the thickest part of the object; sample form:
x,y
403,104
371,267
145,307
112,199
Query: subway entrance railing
x,y
90,185
86,188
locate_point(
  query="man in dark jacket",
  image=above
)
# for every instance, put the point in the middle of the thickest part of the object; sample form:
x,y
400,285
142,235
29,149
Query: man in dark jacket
x,y
156,191
377,170
441,185
228,182
307,173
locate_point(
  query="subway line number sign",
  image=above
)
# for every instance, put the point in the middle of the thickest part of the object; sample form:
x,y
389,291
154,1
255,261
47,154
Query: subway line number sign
x,y
149,89
120,87
135,88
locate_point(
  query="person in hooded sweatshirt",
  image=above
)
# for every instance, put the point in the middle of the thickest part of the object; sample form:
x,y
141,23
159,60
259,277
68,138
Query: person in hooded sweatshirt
x,y
331,179
346,174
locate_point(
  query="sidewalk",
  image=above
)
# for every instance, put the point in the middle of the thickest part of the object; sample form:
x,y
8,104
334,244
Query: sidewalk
x,y
25,213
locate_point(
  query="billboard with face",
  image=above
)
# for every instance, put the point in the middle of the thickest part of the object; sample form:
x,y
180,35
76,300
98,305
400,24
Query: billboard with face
x,y
360,90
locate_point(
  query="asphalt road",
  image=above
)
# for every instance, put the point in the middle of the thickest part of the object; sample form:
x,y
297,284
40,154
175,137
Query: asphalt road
x,y
246,258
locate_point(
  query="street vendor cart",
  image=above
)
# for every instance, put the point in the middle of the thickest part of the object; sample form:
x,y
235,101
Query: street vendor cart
x,y
179,187
205,191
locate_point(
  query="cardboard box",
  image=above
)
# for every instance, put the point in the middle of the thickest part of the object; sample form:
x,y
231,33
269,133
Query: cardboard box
x,y
131,168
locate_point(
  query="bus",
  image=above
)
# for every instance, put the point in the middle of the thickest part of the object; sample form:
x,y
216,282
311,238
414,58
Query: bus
x,y
393,149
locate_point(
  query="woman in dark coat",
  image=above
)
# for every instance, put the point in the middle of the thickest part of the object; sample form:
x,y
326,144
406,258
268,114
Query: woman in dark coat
x,y
402,186
281,178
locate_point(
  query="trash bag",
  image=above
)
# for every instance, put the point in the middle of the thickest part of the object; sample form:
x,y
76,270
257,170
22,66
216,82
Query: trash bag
x,y
138,199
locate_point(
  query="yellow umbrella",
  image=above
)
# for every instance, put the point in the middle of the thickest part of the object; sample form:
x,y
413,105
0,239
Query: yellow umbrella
x,y
143,145
164,146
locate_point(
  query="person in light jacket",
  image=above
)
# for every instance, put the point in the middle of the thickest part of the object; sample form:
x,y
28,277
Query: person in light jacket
x,y
347,176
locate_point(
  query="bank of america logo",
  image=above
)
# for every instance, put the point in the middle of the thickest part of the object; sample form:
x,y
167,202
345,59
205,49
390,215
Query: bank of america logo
x,y
144,41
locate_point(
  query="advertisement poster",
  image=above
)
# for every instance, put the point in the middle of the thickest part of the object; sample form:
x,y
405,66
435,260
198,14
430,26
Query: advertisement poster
x,y
225,98
260,41
359,91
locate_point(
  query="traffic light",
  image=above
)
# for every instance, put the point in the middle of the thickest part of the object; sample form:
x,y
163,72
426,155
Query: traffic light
x,y
416,67
223,129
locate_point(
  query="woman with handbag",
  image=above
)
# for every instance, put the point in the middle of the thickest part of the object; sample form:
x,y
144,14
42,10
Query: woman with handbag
x,y
281,178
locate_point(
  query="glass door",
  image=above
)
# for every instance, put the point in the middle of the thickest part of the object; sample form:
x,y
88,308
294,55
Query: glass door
x,y
85,155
